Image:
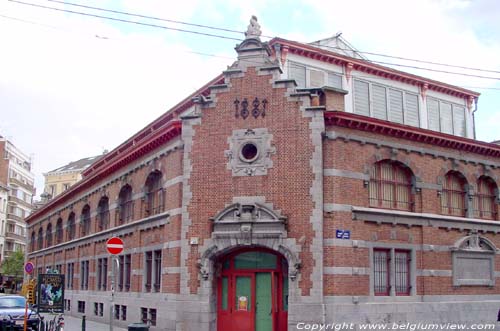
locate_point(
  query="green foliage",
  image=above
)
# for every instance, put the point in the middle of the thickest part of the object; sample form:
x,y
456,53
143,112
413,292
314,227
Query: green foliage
x,y
14,265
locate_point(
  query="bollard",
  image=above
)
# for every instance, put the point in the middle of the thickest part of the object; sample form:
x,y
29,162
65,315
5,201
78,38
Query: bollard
x,y
83,323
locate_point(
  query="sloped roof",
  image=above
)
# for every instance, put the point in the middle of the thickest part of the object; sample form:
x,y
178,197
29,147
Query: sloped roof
x,y
78,165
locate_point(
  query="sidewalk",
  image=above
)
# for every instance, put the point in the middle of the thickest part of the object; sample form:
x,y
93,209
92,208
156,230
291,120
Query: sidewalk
x,y
75,324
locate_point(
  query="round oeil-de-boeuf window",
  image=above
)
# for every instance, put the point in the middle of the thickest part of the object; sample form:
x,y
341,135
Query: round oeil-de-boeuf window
x,y
249,152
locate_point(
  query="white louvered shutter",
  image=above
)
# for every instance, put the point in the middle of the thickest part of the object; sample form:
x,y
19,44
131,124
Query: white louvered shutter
x,y
411,109
361,98
379,100
317,78
459,120
395,106
297,72
433,114
446,117
334,80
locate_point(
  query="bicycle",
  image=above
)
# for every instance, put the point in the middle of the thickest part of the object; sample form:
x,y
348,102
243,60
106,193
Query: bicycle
x,y
56,325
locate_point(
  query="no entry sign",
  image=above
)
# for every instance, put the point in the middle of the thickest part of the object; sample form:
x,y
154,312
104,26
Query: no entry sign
x,y
114,245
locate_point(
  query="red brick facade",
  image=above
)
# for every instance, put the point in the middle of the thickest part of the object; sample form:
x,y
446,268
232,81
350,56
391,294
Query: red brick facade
x,y
317,174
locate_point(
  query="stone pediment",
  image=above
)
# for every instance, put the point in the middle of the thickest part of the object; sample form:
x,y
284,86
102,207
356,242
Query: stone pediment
x,y
474,243
247,221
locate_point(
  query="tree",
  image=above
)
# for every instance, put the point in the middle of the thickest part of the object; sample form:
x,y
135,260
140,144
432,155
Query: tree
x,y
14,265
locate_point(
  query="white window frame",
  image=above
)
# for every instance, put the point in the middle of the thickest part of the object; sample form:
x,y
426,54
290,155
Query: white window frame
x,y
308,70
387,101
453,107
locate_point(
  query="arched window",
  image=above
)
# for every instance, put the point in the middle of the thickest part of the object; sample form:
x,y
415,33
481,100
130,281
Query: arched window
x,y
40,238
48,235
390,186
485,205
85,221
154,198
71,229
103,214
33,241
453,194
59,231
125,205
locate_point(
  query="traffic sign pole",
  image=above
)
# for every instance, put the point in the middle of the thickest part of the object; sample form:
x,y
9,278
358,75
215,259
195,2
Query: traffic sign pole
x,y
114,246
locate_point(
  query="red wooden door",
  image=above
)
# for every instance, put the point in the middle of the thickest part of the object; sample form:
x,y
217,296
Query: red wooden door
x,y
242,304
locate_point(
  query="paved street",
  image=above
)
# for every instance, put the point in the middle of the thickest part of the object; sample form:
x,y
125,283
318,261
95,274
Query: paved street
x,y
75,324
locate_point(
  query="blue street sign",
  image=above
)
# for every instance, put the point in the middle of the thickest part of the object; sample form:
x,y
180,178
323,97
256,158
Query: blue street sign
x,y
343,234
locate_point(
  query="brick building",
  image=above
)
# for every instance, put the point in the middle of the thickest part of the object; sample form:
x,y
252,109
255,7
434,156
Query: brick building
x,y
299,185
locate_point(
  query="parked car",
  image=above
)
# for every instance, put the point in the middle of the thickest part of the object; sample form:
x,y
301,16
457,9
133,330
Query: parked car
x,y
12,309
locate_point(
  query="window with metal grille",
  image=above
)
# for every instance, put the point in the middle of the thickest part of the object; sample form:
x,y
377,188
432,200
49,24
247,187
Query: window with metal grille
x,y
154,197
381,271
485,205
70,271
84,275
125,205
453,194
157,270
390,186
103,214
148,271
102,274
402,272
125,272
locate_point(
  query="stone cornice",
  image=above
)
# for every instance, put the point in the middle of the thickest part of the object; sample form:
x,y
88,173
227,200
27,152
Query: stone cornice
x,y
400,131
120,230
160,136
395,217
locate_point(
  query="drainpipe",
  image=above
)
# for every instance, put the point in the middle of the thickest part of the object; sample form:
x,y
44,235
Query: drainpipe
x,y
473,118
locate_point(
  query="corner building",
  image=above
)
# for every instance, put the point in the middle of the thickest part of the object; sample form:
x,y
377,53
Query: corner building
x,y
300,185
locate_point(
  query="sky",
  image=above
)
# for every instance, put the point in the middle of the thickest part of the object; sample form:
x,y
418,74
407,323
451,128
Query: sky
x,y
72,86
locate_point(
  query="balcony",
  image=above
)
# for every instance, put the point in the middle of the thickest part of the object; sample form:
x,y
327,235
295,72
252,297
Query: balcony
x,y
11,216
20,202
14,236
23,185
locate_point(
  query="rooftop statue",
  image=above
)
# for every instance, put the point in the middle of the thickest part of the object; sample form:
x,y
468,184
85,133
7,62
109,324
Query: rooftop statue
x,y
253,30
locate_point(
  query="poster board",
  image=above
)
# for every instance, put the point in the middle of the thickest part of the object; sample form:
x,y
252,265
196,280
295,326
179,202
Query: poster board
x,y
50,293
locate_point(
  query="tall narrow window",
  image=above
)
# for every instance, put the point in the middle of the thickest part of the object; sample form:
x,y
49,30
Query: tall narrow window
x,y
102,274
48,235
40,238
70,271
402,272
103,214
85,221
154,194
381,271
453,194
59,231
390,186
71,229
157,271
33,241
485,205
125,205
148,271
125,272
84,275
